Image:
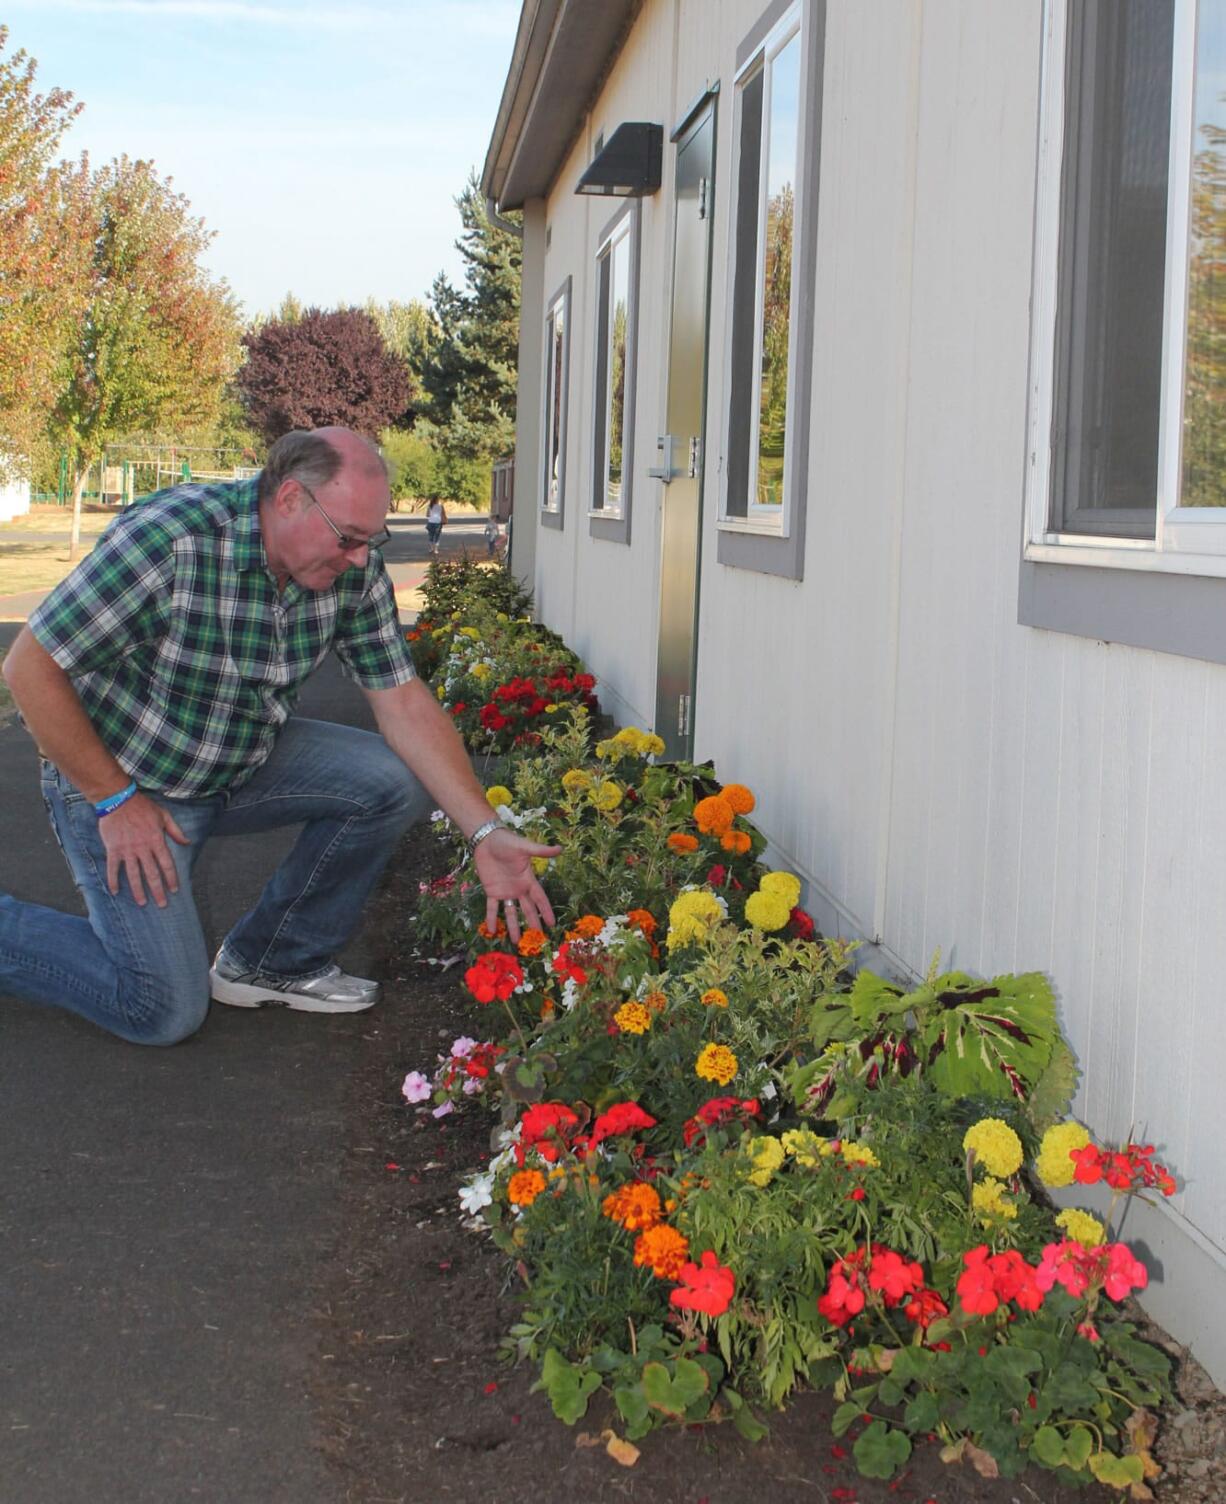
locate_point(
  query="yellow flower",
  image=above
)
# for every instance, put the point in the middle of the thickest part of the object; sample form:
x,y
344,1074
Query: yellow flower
x,y
804,1145
997,1148
859,1154
714,997
1081,1227
655,1001
785,884
767,911
469,632
991,1202
606,796
502,616
686,931
576,780
440,691
691,915
651,745
552,709
632,1018
1052,1161
499,794
480,671
716,1062
540,864
767,1155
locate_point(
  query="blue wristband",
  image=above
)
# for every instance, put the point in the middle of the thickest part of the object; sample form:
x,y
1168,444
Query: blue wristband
x,y
113,801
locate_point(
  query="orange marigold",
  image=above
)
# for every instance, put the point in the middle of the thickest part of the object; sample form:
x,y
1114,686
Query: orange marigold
x,y
524,1187
663,1250
680,840
586,928
739,797
713,815
736,841
655,1002
531,942
714,997
635,1207
496,933
641,919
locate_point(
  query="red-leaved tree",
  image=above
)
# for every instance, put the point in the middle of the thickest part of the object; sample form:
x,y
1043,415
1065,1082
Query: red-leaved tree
x,y
320,369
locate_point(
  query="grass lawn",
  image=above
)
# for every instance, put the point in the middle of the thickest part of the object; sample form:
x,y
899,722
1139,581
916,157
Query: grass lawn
x,y
34,546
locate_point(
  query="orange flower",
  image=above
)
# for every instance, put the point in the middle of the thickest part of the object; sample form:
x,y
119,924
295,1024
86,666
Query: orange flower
x,y
714,815
641,919
547,1009
736,841
681,841
586,928
739,797
524,1187
531,942
496,933
656,1002
635,1207
663,1250
714,997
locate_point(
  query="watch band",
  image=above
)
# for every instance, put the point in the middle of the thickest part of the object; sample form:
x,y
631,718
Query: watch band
x,y
481,832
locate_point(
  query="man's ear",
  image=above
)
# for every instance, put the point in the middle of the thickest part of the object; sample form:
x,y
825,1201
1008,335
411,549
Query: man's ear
x,y
288,497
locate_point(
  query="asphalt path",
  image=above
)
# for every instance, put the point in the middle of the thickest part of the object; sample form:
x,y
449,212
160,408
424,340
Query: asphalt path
x,y
165,1215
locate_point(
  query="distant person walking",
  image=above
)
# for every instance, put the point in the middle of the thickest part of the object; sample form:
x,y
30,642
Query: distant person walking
x,y
436,516
491,538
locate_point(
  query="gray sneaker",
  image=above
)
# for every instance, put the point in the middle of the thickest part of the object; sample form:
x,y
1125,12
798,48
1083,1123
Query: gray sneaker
x,y
328,991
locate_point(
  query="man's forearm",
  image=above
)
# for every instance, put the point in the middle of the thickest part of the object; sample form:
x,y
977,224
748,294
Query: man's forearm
x,y
57,720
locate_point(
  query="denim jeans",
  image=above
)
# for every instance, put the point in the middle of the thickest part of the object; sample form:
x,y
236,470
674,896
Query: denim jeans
x,y
143,972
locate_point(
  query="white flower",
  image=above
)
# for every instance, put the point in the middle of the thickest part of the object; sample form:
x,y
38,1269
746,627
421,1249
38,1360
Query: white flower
x,y
476,1193
463,1047
570,993
416,1088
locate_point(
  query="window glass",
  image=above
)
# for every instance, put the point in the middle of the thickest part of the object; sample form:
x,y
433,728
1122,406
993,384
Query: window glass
x,y
619,322
555,390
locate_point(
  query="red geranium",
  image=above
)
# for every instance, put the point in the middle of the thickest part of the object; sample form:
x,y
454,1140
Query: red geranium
x,y
623,1117
717,1111
545,1127
1129,1169
894,1276
925,1307
707,1287
565,967
992,1279
802,924
493,975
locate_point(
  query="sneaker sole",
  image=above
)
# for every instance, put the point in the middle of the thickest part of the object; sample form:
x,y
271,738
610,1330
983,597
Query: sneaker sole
x,y
249,995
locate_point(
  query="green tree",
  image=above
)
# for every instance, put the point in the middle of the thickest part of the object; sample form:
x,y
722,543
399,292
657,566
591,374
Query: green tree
x,y
470,377
1204,419
158,339
410,331
43,251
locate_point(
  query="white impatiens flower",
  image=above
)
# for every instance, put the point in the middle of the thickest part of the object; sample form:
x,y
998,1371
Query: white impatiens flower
x,y
476,1193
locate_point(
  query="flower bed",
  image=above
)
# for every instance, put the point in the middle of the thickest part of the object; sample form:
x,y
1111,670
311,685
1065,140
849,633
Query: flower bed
x,y
727,1169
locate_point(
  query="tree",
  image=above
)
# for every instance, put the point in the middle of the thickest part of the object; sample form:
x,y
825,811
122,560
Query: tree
x,y
1204,417
410,331
44,246
157,339
324,368
470,377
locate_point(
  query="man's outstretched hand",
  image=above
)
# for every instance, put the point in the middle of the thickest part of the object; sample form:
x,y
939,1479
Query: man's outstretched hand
x,y
504,865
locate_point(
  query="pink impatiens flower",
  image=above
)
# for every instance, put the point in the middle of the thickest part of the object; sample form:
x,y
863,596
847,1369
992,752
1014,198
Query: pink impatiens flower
x,y
416,1088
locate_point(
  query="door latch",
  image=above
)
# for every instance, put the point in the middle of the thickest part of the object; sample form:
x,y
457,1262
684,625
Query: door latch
x,y
683,715
667,471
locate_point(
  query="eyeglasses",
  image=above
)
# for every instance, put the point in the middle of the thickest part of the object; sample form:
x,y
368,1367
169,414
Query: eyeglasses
x,y
346,542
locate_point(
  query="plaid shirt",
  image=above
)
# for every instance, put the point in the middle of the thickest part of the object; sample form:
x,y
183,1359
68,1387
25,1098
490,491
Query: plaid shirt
x,y
186,658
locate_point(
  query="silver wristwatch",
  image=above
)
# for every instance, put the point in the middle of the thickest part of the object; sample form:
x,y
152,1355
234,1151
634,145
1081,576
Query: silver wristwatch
x,y
481,832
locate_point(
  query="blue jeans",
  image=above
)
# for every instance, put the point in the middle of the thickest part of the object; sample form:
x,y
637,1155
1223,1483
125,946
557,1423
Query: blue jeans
x,y
143,972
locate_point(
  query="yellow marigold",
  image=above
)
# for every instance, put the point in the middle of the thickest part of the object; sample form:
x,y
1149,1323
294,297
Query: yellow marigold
x,y
586,928
804,1145
991,1202
1052,1161
502,616
716,1062
739,797
767,1154
531,942
997,1148
651,745
524,1187
469,632
714,997
636,1207
575,780
629,737
440,691
686,931
1081,1227
540,864
697,903
681,841
785,884
497,795
859,1154
480,671
655,1001
767,911
713,815
735,841
632,1018
606,796
663,1250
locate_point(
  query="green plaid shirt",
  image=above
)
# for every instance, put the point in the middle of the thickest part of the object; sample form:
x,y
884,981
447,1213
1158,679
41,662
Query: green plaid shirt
x,y
185,656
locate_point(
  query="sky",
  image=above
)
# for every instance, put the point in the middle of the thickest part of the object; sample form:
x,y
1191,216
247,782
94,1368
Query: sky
x,y
323,141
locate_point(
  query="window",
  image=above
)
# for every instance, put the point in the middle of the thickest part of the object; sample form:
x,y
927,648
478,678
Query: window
x,y
613,426
1128,402
557,376
776,126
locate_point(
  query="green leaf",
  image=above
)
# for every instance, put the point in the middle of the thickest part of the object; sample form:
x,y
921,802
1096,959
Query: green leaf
x,y
922,1412
982,1037
890,1393
1051,1096
1117,1472
1078,1445
911,1363
880,1451
845,1417
674,1395
746,1422
1048,1447
568,1386
631,1404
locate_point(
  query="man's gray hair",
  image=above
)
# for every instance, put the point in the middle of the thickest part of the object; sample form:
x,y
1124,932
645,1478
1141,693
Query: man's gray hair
x,y
309,458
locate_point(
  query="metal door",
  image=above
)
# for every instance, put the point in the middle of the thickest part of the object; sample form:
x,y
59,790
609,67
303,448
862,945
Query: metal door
x,y
681,457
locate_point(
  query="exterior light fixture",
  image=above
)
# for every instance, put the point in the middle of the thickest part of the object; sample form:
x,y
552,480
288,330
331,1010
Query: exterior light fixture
x,y
630,163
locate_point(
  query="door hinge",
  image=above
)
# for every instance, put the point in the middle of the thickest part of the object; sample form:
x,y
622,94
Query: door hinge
x,y
693,471
702,197
683,715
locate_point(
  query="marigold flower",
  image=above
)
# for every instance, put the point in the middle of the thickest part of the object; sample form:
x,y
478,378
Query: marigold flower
x,y
739,797
785,884
655,1001
480,671
576,780
524,1187
632,1018
803,1144
707,1287
606,796
498,795
636,1206
717,1063
496,933
996,1147
1081,1227
663,1250
1054,1160
714,997
531,942
642,920
736,841
858,1154
682,841
714,815
586,928
767,911
990,1201
767,1154
691,915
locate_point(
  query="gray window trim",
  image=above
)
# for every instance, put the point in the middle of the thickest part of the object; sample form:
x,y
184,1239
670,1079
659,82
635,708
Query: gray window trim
x,y
1166,613
617,529
549,517
761,551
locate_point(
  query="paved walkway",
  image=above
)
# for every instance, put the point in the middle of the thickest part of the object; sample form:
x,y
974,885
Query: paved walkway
x,y
164,1215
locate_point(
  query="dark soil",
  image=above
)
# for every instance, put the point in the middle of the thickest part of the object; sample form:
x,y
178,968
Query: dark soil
x,y
414,1402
